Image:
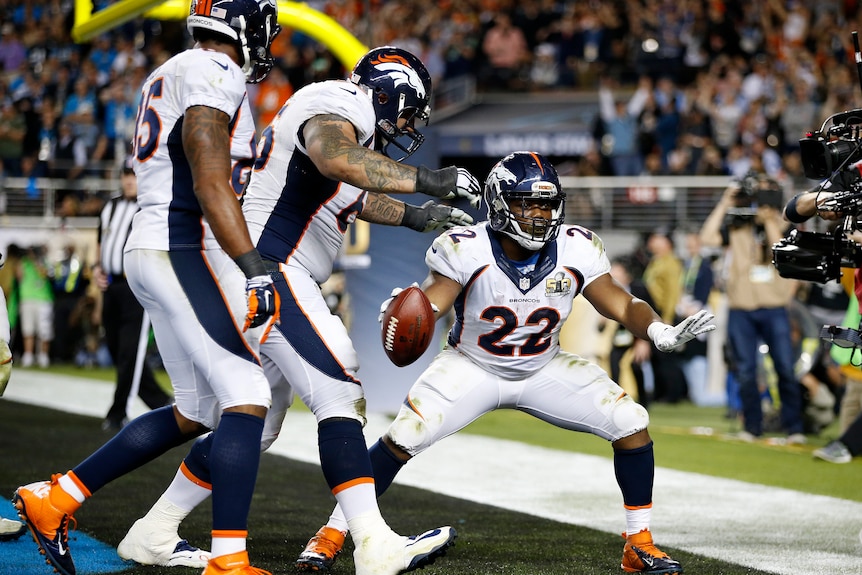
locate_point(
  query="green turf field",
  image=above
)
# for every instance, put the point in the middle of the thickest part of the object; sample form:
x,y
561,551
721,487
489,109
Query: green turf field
x,y
292,501
687,438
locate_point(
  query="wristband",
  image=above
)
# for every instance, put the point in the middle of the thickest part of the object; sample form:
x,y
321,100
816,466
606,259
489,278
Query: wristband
x,y
792,214
414,218
436,183
251,264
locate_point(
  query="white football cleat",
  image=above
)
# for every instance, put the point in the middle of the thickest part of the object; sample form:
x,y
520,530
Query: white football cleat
x,y
148,544
391,554
11,529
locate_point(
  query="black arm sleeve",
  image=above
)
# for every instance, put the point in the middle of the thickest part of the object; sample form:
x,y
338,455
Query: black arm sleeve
x,y
436,183
414,218
790,211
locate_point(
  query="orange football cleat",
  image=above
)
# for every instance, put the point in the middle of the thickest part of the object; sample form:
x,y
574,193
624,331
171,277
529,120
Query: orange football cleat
x,y
640,555
37,506
232,564
322,549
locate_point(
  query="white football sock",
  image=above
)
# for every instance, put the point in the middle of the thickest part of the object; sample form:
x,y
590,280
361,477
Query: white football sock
x,y
637,520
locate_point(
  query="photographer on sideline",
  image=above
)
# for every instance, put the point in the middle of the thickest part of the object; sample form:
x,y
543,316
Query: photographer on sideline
x,y
757,298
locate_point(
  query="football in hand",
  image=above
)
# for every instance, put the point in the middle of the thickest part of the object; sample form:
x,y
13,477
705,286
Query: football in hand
x,y
408,326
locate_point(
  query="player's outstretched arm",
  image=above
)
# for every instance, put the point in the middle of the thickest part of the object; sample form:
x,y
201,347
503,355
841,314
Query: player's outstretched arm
x,y
667,337
429,217
331,144
612,301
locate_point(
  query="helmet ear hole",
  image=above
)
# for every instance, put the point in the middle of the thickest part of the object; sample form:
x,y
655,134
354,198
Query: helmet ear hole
x,y
382,98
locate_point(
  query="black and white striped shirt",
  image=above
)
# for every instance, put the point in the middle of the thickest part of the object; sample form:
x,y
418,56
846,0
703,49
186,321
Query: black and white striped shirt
x,y
115,225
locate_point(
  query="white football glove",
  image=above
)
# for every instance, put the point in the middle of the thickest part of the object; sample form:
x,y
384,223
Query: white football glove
x,y
466,187
666,337
391,297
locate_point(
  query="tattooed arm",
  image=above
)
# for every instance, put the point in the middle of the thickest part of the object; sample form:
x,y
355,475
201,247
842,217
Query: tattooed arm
x,y
429,217
381,209
332,146
206,143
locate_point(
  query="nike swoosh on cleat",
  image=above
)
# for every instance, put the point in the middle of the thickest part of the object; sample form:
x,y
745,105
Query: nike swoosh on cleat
x,y
222,66
424,536
60,549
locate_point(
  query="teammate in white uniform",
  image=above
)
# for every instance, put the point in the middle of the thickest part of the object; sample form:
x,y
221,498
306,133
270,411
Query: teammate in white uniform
x,y
185,260
9,529
511,282
322,163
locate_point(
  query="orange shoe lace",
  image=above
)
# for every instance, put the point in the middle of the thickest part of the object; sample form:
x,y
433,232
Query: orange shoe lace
x,y
67,519
327,541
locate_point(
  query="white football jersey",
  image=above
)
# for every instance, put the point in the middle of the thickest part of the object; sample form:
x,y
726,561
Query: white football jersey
x,y
170,217
508,320
295,214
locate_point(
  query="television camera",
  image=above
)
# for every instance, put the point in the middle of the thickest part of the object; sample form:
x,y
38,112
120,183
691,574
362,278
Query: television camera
x,y
829,154
755,189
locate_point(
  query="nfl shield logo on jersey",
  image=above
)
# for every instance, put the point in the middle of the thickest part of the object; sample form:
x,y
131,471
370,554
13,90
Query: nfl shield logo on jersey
x,y
524,284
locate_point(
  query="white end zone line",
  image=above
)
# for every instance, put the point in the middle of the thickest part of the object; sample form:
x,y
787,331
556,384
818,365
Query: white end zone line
x,y
777,530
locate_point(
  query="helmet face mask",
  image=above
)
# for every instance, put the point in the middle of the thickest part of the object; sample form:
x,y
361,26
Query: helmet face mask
x,y
251,24
516,186
399,86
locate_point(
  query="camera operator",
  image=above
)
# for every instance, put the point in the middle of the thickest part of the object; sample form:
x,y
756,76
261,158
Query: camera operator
x,y
802,207
747,222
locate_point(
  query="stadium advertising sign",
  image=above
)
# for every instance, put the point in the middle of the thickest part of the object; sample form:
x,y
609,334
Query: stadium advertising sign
x,y
500,144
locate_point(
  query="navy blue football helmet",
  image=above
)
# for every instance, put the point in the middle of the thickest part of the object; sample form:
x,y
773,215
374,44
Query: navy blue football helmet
x,y
251,24
400,87
524,176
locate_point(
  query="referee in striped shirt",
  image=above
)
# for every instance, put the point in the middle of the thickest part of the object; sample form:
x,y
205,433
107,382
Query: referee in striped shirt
x,y
126,326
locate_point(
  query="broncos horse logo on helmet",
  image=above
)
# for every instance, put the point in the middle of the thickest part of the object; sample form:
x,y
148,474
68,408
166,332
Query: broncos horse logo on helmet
x,y
524,176
251,24
399,86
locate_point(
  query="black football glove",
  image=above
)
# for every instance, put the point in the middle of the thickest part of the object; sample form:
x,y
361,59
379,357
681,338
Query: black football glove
x,y
431,216
448,183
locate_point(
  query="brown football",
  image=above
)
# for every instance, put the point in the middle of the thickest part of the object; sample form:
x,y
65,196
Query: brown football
x,y
407,326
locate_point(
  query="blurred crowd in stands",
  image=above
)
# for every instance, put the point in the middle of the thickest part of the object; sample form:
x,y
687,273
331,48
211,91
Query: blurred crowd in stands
x,y
688,86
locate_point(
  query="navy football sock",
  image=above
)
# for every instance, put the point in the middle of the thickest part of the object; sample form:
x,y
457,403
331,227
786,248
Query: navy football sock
x,y
234,460
635,470
197,461
343,452
142,440
385,464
